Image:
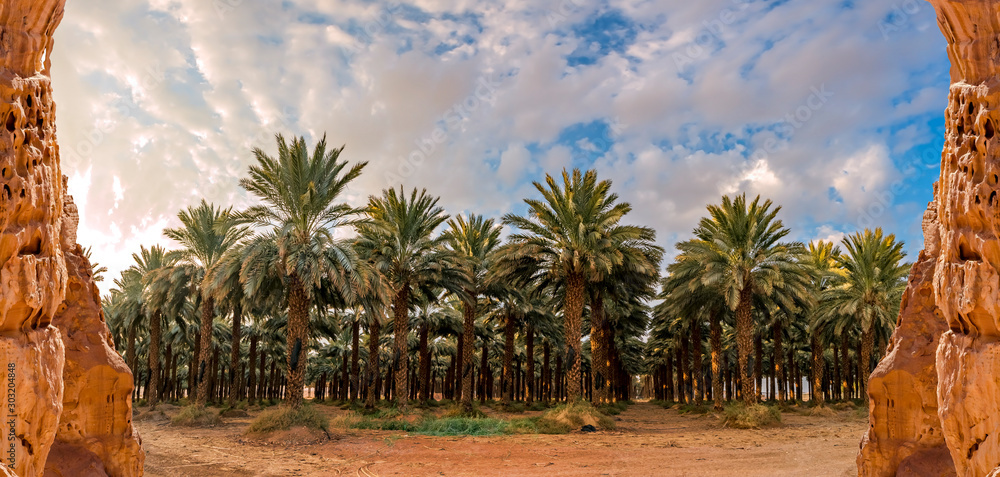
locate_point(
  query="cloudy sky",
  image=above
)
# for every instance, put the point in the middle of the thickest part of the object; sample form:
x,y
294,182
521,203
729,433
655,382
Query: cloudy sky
x,y
833,109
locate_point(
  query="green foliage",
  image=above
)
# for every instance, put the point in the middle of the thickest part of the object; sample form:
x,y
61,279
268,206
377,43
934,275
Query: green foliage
x,y
755,416
463,426
196,416
284,418
574,416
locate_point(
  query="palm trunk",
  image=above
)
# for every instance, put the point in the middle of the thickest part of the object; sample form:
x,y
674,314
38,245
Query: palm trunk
x,y
168,360
744,344
355,356
425,363
864,366
207,313
530,348
262,380
400,355
599,351
298,336
235,383
816,391
574,312
845,368
684,374
758,365
371,371
458,380
484,369
546,372
252,376
716,339
154,359
508,359
469,339
697,385
779,371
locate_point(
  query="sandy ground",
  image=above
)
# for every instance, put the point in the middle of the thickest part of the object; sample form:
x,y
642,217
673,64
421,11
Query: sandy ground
x,y
649,441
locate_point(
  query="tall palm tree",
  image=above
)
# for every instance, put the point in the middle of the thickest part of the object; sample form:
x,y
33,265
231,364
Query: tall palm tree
x,y
869,293
821,260
476,239
398,243
739,245
149,263
207,232
300,212
567,239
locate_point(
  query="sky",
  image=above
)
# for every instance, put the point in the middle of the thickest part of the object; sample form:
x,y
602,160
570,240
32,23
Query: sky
x,y
832,109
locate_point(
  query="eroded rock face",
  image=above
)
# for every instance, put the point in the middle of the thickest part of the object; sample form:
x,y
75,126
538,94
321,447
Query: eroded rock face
x,y
956,332
69,392
904,431
95,435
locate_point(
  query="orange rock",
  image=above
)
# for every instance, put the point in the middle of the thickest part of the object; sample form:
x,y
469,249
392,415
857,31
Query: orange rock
x,y
948,336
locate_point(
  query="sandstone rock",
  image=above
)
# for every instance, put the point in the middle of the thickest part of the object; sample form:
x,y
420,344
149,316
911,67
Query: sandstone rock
x,y
956,282
68,403
96,422
904,427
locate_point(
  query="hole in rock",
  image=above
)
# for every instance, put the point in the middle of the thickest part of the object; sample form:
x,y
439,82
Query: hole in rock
x,y
11,122
988,129
978,200
972,107
966,253
6,192
33,247
27,446
959,129
22,193
993,197
27,100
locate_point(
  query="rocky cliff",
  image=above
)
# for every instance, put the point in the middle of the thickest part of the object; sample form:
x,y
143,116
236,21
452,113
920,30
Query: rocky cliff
x,y
67,406
948,338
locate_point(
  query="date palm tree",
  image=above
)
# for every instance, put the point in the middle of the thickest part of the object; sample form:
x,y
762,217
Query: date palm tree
x,y
739,245
398,243
868,295
821,260
476,239
207,232
566,239
301,211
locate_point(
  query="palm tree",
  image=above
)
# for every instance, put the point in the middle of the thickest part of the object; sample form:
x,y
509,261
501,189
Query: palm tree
x,y
821,260
567,239
870,292
206,234
300,211
149,262
739,246
398,243
475,239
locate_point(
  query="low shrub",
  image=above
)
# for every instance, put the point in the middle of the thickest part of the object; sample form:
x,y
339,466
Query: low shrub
x,y
196,416
574,416
284,418
755,416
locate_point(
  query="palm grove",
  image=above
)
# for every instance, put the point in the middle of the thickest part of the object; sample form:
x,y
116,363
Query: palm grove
x,y
398,301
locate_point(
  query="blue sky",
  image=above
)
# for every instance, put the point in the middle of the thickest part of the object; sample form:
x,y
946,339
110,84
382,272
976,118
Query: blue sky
x,y
833,109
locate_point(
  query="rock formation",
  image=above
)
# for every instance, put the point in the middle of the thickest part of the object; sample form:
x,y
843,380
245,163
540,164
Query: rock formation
x,y
68,394
948,338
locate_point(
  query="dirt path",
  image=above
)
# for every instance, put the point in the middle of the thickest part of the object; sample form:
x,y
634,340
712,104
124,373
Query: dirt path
x,y
649,441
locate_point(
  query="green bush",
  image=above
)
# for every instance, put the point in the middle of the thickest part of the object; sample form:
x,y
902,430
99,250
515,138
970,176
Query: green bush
x,y
753,417
284,418
384,425
196,416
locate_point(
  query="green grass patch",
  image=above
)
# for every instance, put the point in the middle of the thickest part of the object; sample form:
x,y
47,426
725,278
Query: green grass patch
x,y
384,425
756,416
284,418
196,416
694,409
463,426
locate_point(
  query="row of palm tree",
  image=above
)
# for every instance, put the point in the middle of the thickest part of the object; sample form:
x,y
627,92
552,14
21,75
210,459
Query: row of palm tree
x,y
300,290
